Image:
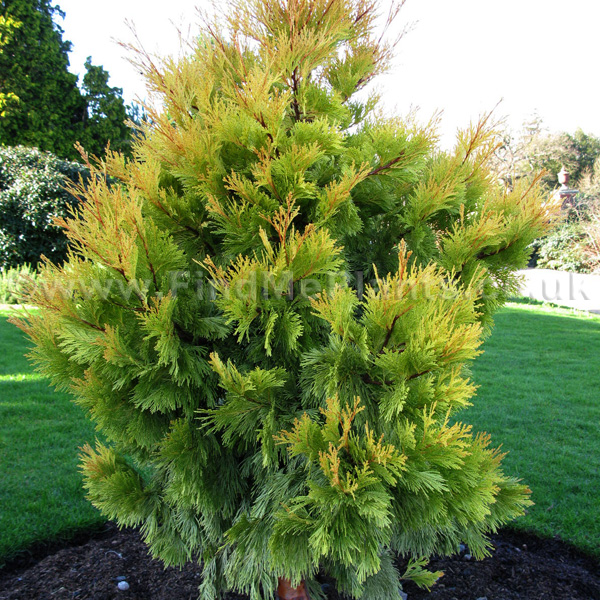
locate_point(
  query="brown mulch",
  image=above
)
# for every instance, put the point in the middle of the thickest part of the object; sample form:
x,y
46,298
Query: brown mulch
x,y
523,567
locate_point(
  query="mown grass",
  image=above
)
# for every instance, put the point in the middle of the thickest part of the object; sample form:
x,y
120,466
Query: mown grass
x,y
41,495
539,397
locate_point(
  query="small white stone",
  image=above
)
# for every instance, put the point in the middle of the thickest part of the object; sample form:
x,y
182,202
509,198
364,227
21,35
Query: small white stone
x,y
123,586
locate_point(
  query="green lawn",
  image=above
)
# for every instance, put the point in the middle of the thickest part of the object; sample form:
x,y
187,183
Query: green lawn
x,y
539,397
41,496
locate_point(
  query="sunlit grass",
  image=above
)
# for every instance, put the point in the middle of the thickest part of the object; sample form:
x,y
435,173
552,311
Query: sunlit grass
x,y
539,397
21,377
41,496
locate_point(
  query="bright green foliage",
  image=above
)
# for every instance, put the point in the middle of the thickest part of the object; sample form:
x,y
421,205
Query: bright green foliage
x,y
32,194
40,102
12,282
265,413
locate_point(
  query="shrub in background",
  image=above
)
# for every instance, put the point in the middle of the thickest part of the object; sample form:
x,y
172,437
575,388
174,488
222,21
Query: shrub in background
x,y
32,195
563,249
591,242
265,414
574,245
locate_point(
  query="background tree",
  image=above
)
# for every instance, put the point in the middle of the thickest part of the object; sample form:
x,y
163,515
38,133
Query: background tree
x,y
7,29
41,102
46,108
264,414
107,115
572,246
535,149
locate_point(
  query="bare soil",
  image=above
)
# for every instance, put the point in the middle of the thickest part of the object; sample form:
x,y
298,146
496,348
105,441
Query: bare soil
x,y
523,567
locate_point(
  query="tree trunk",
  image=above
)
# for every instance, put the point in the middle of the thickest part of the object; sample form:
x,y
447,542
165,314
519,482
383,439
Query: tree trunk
x,y
286,592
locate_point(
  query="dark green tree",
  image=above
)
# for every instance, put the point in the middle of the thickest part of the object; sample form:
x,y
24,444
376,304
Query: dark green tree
x,y
263,413
8,26
45,108
107,114
40,101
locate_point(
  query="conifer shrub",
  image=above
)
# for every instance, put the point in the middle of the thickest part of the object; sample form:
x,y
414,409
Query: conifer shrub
x,y
14,280
271,318
32,195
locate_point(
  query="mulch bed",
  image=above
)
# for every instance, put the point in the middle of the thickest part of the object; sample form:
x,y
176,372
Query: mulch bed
x,y
523,567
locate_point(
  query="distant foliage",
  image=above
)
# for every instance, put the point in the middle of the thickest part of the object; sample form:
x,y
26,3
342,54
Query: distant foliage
x,y
574,245
563,249
41,104
591,243
32,195
107,115
524,154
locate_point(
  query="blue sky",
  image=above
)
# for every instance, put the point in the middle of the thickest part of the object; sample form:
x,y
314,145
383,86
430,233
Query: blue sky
x,y
461,56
